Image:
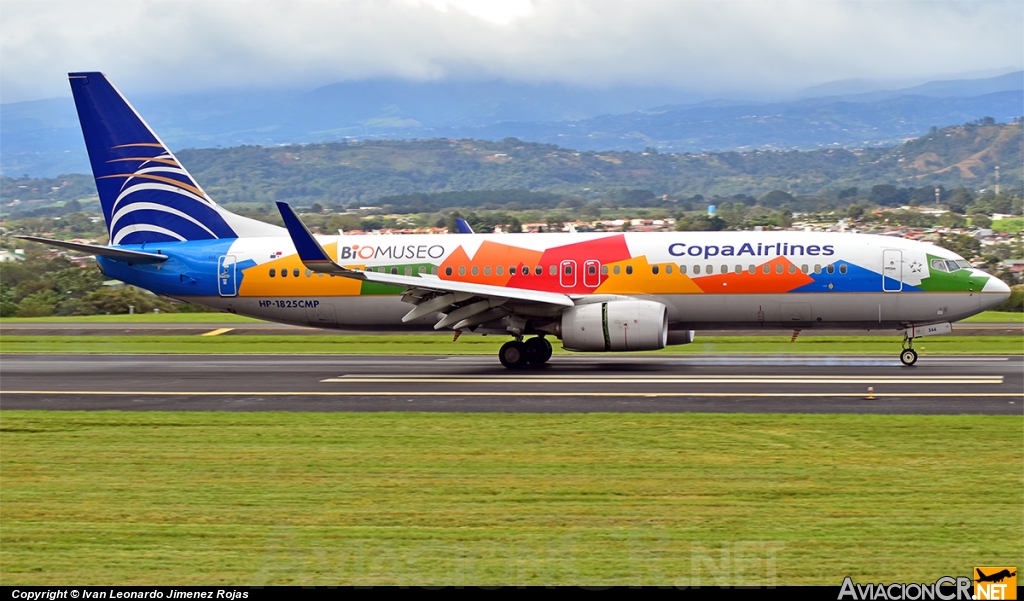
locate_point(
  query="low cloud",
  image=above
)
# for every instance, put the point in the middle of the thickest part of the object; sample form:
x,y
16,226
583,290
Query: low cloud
x,y
161,46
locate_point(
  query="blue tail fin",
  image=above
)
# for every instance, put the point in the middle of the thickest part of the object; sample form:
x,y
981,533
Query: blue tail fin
x,y
146,195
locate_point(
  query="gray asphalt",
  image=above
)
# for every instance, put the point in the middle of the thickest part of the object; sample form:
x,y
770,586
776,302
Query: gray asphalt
x,y
578,383
271,329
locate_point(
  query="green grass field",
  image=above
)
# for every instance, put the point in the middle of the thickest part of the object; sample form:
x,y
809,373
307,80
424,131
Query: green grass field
x,y
427,344
987,316
412,498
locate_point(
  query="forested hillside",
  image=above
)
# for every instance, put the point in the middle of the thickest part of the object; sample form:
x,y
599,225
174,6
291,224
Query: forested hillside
x,y
386,172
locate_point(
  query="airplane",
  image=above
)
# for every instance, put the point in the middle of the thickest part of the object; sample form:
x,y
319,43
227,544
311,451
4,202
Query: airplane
x,y
996,577
595,292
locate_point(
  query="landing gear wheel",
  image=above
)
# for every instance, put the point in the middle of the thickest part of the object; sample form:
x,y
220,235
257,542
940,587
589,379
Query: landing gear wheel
x,y
538,350
908,356
513,354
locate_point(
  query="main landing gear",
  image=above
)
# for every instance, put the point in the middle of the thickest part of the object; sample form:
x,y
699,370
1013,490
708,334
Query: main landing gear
x,y
516,354
908,356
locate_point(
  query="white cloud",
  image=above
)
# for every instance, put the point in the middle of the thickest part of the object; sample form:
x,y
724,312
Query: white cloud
x,y
184,45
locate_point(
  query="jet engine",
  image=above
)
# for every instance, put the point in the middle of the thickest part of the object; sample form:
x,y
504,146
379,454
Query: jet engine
x,y
621,325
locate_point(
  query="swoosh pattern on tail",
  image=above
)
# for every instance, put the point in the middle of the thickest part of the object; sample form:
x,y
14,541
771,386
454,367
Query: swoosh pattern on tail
x,y
146,195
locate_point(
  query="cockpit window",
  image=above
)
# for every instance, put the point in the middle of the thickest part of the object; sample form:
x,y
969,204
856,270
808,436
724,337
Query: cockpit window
x,y
952,266
938,265
963,264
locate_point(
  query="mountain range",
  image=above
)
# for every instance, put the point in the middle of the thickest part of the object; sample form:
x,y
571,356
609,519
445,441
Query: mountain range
x,y
41,138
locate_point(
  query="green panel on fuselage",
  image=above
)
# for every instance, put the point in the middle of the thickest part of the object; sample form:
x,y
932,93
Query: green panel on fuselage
x,y
373,288
958,281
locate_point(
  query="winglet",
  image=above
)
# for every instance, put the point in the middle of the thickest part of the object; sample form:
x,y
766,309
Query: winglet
x,y
463,225
313,256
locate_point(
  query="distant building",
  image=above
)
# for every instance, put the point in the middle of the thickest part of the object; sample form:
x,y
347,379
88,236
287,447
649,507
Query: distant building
x,y
7,256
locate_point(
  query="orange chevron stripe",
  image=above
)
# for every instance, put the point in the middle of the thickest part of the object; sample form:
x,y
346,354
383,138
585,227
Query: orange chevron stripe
x,y
171,162
158,178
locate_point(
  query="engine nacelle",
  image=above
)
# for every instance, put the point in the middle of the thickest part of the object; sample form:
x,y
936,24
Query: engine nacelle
x,y
680,337
626,325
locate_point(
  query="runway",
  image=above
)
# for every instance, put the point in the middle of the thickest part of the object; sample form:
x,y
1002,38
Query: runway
x,y
577,383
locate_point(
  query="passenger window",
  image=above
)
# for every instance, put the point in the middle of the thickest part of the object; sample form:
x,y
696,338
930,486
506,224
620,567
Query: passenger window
x,y
295,272
447,270
433,270
553,270
525,270
309,272
568,269
591,269
538,270
682,269
831,268
752,269
792,268
696,269
476,270
284,273
487,270
408,271
604,270
381,270
629,270
273,272
422,270
668,269
766,269
394,271
739,269
709,270
779,268
499,270
616,270
842,268
462,270
511,270
724,269
817,269
803,268
654,269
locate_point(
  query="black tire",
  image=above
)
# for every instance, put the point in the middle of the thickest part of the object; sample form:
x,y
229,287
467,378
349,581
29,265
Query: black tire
x,y
538,350
513,354
908,357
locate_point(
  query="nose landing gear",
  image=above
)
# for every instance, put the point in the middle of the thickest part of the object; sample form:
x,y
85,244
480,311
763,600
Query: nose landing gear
x,y
908,356
516,354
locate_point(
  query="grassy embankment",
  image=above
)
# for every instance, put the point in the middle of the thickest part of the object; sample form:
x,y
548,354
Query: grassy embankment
x,y
321,499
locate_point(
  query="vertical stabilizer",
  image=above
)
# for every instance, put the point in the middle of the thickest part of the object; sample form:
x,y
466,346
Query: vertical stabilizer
x,y
146,195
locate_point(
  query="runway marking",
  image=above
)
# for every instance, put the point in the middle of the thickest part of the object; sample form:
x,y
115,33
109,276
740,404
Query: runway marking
x,y
344,393
217,332
964,380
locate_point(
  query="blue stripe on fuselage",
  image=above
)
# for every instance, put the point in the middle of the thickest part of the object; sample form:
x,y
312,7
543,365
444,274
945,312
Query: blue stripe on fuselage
x,y
191,269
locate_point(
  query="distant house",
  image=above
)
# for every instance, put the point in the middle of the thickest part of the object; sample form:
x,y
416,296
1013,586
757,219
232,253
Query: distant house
x,y
7,256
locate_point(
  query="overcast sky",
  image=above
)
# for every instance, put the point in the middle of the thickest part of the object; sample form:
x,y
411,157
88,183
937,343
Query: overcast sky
x,y
152,46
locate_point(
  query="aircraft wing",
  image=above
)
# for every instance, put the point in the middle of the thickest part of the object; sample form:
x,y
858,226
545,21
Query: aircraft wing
x,y
136,256
464,304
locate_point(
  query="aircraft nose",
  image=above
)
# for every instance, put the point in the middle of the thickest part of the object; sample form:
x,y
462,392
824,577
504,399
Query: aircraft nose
x,y
994,293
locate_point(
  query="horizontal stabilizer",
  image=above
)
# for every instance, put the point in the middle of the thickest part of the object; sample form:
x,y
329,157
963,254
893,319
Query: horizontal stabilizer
x,y
136,256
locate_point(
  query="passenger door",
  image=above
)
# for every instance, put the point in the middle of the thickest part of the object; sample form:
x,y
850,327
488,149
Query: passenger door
x,y
567,274
226,275
892,270
592,273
